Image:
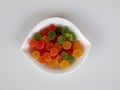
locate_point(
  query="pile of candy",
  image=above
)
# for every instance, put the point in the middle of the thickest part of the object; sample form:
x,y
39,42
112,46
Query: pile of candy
x,y
55,46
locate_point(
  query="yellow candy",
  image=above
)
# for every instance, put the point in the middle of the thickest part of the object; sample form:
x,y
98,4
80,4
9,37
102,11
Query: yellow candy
x,y
36,54
77,53
64,64
77,45
53,63
67,45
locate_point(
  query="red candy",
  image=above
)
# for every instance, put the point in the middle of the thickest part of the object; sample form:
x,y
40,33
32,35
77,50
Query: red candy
x,y
40,45
52,27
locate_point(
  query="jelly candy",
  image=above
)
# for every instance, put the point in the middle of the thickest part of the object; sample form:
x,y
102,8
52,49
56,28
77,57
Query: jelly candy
x,y
32,43
42,51
40,45
44,31
45,39
64,64
59,30
51,35
61,39
77,45
42,60
70,58
47,56
52,27
58,46
49,46
53,52
65,30
77,53
67,45
69,51
53,63
35,54
37,36
72,36
64,55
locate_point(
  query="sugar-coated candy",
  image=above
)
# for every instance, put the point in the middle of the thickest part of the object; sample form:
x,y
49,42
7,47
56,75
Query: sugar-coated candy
x,y
52,27
40,45
58,46
45,39
64,55
61,39
70,58
53,63
67,45
49,45
77,45
44,31
64,64
51,35
36,54
72,36
41,60
47,56
37,36
53,52
32,43
65,30
77,53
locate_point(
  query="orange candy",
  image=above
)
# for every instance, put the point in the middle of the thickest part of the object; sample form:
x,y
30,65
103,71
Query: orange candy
x,y
67,45
58,46
32,43
64,64
47,56
36,54
77,45
53,52
77,53
49,46
45,39
53,63
42,60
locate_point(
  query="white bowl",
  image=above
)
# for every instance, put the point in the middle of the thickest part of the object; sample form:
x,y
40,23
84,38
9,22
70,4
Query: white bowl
x,y
58,21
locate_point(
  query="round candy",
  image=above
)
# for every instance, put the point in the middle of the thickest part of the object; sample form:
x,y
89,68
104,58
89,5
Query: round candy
x,y
65,30
67,45
40,45
44,31
77,53
51,35
35,54
53,63
32,43
52,27
64,55
77,45
42,60
72,36
47,56
61,39
53,52
64,64
58,46
37,36
49,46
45,39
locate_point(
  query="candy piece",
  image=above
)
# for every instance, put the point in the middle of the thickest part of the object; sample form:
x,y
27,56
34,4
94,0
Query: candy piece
x,y
61,39
77,45
58,46
45,39
64,55
47,56
53,63
44,31
69,51
49,46
35,54
42,51
51,35
37,36
53,52
70,58
52,27
77,53
67,45
65,30
59,30
40,45
32,43
72,36
64,64
41,60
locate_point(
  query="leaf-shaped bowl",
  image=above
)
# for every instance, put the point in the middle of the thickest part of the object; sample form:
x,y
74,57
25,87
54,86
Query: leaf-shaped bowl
x,y
58,21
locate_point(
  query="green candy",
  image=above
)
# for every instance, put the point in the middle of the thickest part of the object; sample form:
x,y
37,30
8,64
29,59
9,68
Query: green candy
x,y
59,30
37,36
72,36
61,39
64,55
51,35
70,58
65,30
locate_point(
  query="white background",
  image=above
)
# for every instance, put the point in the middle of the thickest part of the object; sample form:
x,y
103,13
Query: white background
x,y
99,21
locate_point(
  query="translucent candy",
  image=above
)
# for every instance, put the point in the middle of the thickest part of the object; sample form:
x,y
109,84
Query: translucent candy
x,y
53,52
61,39
37,36
65,30
77,53
47,56
77,45
72,36
51,35
44,31
40,45
52,27
64,64
32,43
67,45
35,54
58,46
49,46
53,63
64,55
45,39
41,60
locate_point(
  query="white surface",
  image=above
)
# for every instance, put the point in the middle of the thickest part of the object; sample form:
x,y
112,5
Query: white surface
x,y
99,20
64,22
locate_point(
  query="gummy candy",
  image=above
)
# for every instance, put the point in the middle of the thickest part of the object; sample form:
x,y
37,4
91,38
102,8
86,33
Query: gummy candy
x,y
70,58
32,43
58,46
67,45
77,53
61,39
45,39
40,45
53,52
44,31
53,63
72,37
77,45
35,54
47,56
59,30
69,51
64,64
41,60
37,36
51,35
64,55
52,27
65,30
49,46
